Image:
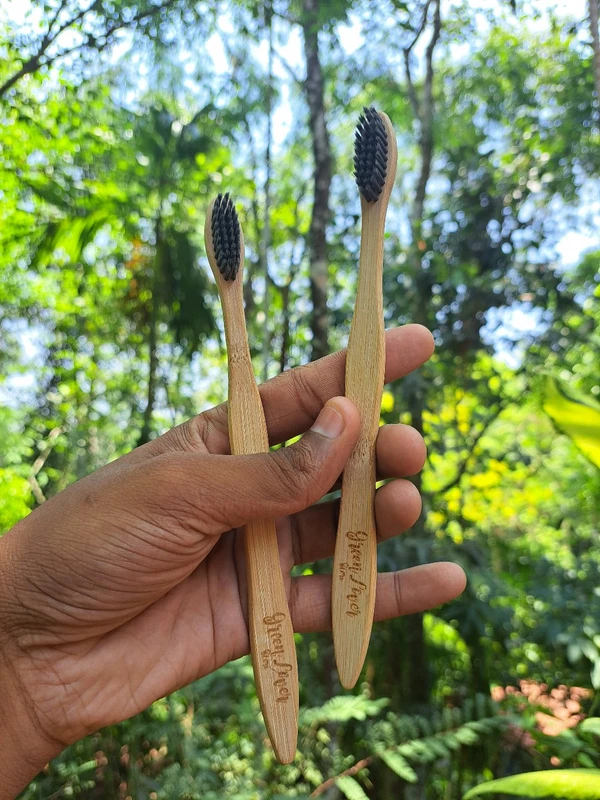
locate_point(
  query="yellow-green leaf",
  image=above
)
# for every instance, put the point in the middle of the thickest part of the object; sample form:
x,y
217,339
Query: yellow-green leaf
x,y
590,725
566,784
576,415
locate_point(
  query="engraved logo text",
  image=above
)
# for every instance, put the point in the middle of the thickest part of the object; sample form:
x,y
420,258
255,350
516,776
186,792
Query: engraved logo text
x,y
351,570
274,659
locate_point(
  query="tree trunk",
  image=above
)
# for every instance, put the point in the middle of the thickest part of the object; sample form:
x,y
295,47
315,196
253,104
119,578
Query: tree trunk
x,y
314,86
593,7
418,674
146,429
265,243
152,369
418,679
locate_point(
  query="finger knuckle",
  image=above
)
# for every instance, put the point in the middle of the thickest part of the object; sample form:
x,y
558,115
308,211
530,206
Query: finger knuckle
x,y
294,473
307,396
191,435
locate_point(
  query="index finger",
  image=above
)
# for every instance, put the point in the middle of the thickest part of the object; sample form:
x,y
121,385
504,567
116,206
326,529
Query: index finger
x,y
292,400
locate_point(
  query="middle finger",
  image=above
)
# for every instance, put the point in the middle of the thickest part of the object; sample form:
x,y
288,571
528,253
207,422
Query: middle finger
x,y
314,530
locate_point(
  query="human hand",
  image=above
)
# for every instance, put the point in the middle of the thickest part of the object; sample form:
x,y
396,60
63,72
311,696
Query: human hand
x,y
131,582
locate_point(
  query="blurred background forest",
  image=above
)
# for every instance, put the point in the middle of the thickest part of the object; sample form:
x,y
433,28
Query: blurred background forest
x,y
120,120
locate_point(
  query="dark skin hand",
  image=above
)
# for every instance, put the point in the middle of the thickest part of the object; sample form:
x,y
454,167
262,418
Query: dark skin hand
x,y
130,583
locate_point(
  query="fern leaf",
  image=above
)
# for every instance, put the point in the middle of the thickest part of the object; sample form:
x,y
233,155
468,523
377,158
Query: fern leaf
x,y
350,788
343,709
437,747
399,765
451,740
467,736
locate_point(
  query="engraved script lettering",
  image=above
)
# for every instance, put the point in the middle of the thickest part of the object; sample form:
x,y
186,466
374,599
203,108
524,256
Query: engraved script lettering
x,y
351,571
273,658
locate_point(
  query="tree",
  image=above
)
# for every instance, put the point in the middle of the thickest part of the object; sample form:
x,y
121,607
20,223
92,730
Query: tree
x,y
70,30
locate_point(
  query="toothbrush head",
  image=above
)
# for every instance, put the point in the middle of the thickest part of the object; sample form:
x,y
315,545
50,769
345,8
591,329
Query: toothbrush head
x,y
226,237
370,154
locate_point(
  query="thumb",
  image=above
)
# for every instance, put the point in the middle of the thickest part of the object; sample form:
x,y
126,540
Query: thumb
x,y
228,491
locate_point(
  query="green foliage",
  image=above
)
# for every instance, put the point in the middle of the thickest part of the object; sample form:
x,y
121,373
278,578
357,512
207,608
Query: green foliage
x,y
567,784
343,709
15,498
109,334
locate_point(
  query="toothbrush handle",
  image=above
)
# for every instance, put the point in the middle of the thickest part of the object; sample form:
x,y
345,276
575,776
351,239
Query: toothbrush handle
x,y
270,626
354,577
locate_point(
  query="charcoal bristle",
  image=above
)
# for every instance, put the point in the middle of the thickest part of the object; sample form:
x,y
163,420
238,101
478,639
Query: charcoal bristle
x,y
370,154
225,229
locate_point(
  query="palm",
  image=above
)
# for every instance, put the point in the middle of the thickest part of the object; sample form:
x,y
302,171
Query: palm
x,y
143,582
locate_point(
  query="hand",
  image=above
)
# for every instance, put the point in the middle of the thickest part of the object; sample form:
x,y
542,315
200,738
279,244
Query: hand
x,y
130,583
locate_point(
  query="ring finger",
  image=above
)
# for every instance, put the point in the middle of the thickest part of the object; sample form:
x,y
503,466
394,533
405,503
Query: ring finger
x,y
397,508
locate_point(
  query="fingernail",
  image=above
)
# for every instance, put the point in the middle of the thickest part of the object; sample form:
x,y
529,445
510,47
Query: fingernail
x,y
329,423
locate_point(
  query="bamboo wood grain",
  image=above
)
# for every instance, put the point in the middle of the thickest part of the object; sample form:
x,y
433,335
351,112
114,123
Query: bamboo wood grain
x,y
271,633
354,577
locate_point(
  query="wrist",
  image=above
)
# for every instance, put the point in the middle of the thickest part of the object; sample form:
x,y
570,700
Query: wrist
x,y
24,746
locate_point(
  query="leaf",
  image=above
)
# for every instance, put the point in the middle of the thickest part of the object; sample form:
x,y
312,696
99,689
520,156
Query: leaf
x,y
399,765
576,415
350,788
590,725
70,235
595,676
342,709
567,784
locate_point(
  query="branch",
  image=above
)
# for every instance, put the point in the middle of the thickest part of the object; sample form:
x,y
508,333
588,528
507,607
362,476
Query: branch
x,y
420,29
287,68
351,771
462,468
37,61
39,463
426,124
412,92
36,490
593,12
63,3
34,62
437,29
287,17
285,300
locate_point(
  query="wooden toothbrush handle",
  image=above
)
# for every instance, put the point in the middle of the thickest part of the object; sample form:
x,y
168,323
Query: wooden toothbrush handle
x,y
354,579
272,639
354,570
271,632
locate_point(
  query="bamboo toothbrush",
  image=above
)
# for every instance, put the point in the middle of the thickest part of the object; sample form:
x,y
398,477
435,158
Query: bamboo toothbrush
x,y
270,625
355,562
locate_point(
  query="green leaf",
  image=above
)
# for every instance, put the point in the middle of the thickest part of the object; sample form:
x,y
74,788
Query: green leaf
x,y
399,765
350,788
590,725
575,415
567,784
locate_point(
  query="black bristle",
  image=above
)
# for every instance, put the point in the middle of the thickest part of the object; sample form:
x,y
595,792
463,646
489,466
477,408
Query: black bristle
x,y
225,229
370,154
